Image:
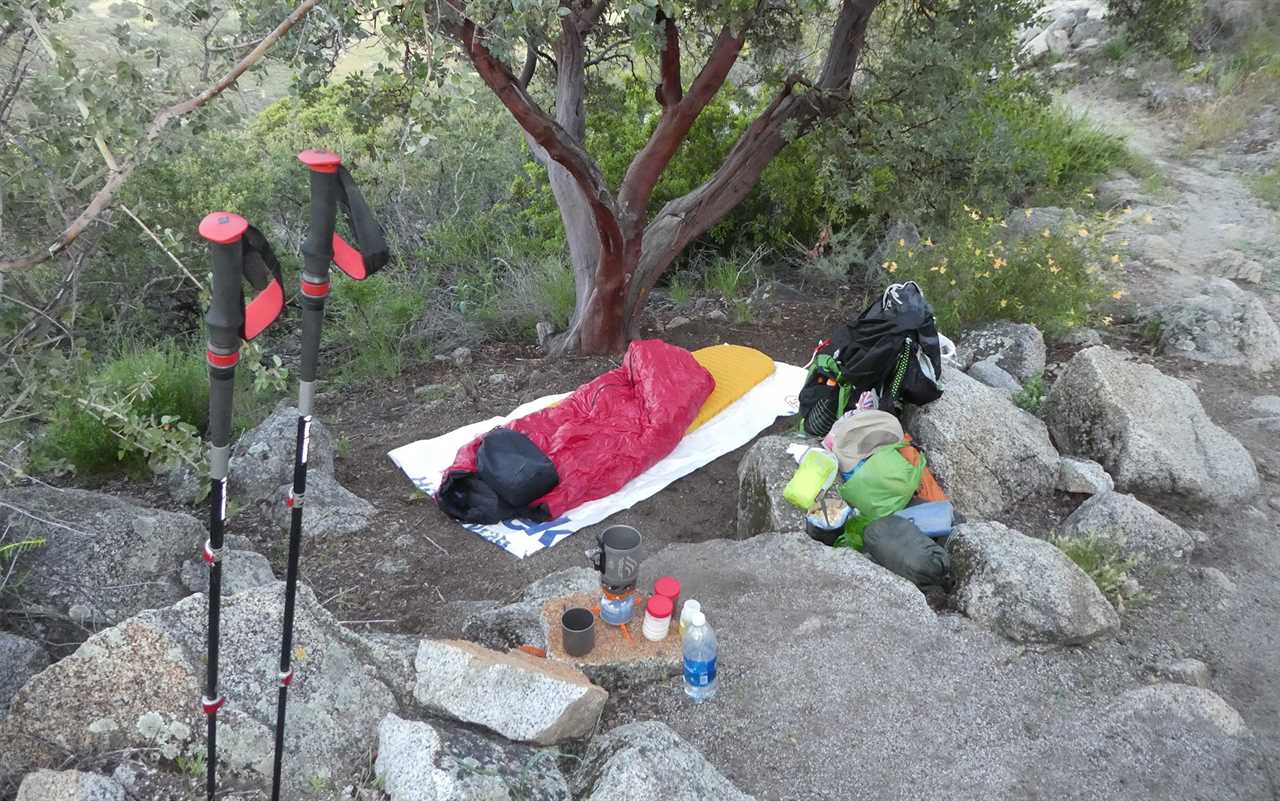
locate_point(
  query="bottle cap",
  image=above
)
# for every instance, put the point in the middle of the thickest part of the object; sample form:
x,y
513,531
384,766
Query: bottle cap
x,y
690,606
697,619
668,586
659,606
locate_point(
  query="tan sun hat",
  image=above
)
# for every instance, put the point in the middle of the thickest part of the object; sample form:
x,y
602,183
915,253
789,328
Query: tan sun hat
x,y
857,434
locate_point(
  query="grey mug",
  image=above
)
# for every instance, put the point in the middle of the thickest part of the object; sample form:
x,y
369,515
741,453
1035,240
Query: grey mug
x,y
578,627
617,558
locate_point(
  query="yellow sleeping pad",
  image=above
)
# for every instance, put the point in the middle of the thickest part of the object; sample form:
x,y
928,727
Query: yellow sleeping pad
x,y
736,370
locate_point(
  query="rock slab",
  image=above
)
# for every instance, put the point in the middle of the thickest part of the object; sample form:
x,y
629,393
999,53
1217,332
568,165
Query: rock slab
x,y
330,510
763,474
521,697
20,659
420,761
646,761
69,785
241,571
1016,348
1223,324
989,372
1135,527
792,615
1024,588
988,453
136,685
105,555
1147,429
262,458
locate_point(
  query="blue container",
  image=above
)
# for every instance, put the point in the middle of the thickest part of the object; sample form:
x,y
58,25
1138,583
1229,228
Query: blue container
x,y
933,518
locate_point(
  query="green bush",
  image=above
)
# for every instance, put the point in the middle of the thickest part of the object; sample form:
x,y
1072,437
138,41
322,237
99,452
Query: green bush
x,y
1267,186
1161,26
165,381
1054,279
375,318
1103,560
1031,397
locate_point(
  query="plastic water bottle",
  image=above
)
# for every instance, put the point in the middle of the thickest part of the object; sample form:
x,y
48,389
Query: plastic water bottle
x,y
699,659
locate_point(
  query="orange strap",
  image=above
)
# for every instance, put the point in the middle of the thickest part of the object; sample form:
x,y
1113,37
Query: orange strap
x,y
929,489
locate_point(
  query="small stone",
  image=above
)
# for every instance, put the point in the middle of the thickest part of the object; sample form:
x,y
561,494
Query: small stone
x,y
1081,338
20,659
989,372
1083,477
718,315
1130,587
677,322
544,332
763,474
1184,671
1265,405
331,509
69,785
80,613
461,357
498,379
433,392
1275,503
1130,73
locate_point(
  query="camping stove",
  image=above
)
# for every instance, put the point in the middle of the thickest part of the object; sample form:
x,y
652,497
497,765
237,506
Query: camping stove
x,y
617,604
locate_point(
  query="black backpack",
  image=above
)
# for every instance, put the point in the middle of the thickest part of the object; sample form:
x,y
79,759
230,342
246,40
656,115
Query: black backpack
x,y
891,349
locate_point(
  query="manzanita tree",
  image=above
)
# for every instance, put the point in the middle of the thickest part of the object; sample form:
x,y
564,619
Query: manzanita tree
x,y
799,57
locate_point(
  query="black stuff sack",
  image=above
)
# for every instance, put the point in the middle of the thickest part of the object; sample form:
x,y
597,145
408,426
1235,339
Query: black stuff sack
x,y
897,544
511,473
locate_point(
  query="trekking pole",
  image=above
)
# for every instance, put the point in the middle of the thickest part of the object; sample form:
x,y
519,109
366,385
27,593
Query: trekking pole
x,y
331,186
239,252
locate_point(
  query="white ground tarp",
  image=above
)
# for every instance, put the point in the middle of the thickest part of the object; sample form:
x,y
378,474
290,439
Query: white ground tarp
x,y
425,461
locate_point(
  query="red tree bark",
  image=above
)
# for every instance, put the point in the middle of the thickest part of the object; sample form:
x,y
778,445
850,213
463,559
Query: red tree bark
x,y
618,252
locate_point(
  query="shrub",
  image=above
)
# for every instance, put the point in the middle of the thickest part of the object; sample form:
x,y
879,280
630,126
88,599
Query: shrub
x,y
1103,560
374,319
1267,186
96,422
1161,26
977,272
1031,397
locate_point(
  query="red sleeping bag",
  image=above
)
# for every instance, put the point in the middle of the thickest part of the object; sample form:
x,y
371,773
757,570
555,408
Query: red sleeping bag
x,y
612,429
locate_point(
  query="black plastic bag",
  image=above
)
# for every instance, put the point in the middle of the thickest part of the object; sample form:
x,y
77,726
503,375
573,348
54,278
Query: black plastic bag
x,y
896,544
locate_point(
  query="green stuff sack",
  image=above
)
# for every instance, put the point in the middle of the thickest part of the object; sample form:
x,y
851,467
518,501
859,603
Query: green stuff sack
x,y
884,484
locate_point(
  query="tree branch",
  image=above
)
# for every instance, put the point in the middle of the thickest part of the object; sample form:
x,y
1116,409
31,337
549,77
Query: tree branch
x,y
560,146
788,116
678,116
530,64
587,19
117,178
670,90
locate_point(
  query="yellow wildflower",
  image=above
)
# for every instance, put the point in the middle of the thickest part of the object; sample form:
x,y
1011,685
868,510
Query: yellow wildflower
x,y
1106,320
928,243
1055,269
977,251
890,266
1003,303
1083,232
911,253
1119,293
973,215
1027,212
1115,258
1046,233
902,243
998,262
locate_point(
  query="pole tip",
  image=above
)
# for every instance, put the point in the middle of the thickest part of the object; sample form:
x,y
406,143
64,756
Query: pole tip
x,y
320,160
223,227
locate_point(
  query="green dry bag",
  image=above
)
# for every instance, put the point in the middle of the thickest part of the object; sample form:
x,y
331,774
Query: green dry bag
x,y
884,484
